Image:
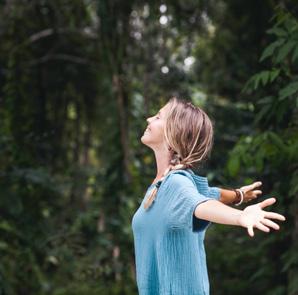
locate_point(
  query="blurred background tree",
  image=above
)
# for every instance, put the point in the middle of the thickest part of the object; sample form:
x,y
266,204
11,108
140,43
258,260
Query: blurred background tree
x,y
78,79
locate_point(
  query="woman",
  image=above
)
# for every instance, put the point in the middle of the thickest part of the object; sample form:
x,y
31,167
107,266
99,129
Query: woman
x,y
169,225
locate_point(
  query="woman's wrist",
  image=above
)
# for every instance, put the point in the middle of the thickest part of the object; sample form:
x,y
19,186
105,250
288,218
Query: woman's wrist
x,y
227,196
239,197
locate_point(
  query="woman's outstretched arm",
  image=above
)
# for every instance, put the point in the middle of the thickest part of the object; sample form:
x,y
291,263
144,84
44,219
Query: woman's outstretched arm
x,y
251,217
250,192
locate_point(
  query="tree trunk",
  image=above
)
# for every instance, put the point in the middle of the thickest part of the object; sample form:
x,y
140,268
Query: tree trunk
x,y
122,105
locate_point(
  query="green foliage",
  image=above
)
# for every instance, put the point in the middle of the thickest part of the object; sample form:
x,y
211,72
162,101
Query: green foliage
x,y
272,149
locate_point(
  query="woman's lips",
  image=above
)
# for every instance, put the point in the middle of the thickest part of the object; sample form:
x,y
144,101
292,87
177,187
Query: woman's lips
x,y
147,129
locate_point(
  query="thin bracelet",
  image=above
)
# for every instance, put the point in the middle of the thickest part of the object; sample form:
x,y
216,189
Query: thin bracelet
x,y
241,197
238,196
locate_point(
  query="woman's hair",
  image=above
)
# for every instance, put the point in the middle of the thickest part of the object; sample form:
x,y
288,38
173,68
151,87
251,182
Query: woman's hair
x,y
189,135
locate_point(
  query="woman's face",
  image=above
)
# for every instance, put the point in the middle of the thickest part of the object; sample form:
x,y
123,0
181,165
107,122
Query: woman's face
x,y
154,134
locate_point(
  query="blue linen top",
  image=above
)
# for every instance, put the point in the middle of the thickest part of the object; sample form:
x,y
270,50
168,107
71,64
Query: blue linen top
x,y
169,239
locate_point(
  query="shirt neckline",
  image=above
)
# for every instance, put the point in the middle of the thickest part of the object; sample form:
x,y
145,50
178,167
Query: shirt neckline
x,y
188,170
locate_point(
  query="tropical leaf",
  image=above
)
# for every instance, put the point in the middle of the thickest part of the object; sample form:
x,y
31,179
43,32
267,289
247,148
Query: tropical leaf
x,y
279,32
285,50
288,91
270,49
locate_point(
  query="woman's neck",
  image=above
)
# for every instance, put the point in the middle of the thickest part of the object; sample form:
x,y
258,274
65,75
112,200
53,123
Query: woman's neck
x,y
162,158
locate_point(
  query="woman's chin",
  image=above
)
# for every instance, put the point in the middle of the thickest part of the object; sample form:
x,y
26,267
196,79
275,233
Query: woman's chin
x,y
145,140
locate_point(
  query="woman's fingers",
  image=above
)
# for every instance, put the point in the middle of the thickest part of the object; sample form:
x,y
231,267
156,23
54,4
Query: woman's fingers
x,y
251,186
270,223
250,191
259,226
256,184
273,215
250,230
267,203
251,195
262,227
257,192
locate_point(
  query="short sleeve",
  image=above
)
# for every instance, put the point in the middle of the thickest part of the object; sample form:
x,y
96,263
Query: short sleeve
x,y
183,200
214,193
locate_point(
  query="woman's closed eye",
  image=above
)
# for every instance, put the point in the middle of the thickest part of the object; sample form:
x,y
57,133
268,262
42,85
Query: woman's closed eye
x,y
157,115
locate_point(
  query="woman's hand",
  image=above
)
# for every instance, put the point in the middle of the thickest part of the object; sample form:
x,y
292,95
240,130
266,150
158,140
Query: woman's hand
x,y
250,192
255,217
